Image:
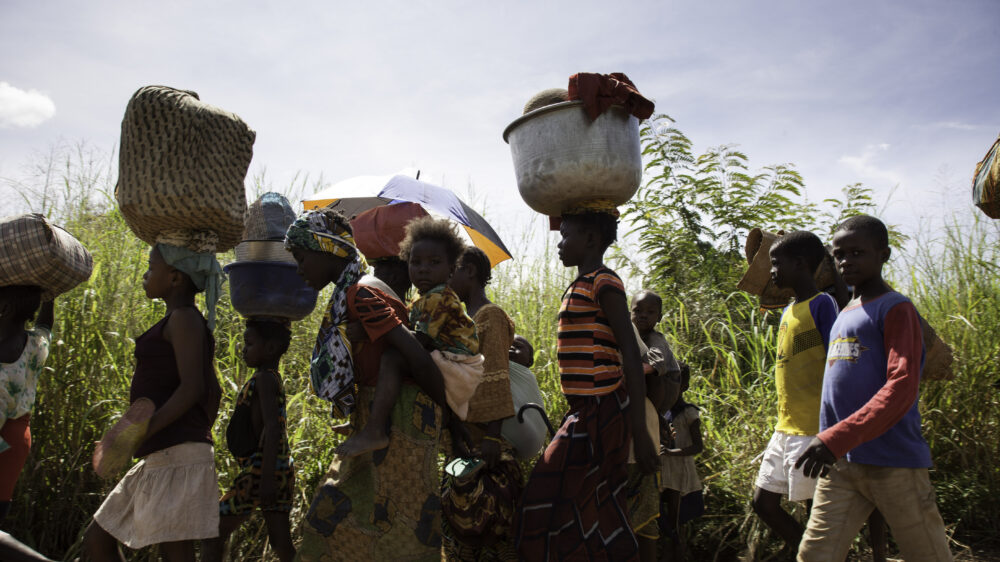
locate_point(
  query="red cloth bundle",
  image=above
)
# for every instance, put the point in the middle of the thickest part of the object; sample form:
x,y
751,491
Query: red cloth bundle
x,y
598,92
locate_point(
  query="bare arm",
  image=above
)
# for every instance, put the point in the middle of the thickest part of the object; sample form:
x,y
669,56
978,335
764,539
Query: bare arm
x,y
267,402
422,366
615,307
186,333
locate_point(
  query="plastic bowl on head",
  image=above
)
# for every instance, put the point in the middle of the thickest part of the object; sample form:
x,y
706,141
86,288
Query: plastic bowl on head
x,y
562,158
260,288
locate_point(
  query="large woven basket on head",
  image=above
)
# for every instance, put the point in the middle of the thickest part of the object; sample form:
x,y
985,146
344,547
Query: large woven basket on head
x,y
757,279
35,252
181,166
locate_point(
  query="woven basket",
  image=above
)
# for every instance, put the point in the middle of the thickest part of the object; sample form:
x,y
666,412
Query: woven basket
x,y
35,252
268,217
986,183
181,166
757,279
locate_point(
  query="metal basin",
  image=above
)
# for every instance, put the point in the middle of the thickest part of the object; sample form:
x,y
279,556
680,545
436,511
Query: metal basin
x,y
561,158
272,289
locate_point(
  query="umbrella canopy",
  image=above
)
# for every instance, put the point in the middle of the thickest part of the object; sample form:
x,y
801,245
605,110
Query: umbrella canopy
x,y
368,192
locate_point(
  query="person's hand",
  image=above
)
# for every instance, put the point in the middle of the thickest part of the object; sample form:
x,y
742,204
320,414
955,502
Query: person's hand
x,y
648,369
268,492
356,332
490,452
816,460
646,457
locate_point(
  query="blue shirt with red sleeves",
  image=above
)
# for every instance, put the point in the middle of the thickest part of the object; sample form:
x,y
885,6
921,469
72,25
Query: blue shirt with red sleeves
x,y
871,385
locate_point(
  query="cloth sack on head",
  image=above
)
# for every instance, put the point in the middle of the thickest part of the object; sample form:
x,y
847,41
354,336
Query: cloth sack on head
x,y
379,231
204,271
331,370
35,252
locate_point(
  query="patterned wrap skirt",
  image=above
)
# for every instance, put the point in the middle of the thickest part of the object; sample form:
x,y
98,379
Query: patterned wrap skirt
x,y
384,505
574,506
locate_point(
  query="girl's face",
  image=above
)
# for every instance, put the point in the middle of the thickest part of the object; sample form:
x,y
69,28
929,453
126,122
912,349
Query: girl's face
x,y
429,265
462,280
573,246
254,351
158,278
318,269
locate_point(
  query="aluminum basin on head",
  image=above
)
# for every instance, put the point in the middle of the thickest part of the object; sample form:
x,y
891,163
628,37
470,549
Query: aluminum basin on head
x,y
562,158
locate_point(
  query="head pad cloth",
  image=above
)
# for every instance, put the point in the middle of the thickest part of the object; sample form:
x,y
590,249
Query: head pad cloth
x,y
203,269
606,206
331,370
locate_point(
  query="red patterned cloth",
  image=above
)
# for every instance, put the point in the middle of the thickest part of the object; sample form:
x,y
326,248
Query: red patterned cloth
x,y
598,92
574,506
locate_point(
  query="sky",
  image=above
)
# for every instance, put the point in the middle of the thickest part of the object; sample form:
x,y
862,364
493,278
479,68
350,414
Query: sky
x,y
902,95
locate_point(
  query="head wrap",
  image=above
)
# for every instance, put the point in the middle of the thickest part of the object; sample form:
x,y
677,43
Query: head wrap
x,y
331,370
203,269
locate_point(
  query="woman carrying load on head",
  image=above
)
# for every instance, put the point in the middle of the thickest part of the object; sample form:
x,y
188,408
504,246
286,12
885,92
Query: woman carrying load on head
x,y
384,504
479,509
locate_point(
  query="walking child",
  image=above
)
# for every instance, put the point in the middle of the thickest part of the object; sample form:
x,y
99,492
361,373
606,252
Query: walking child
x,y
870,452
803,337
170,496
258,438
22,358
680,475
578,485
431,249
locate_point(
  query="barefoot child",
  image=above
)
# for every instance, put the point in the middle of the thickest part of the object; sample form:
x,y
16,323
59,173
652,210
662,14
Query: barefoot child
x,y
680,475
578,485
170,496
803,335
258,438
431,249
22,357
870,452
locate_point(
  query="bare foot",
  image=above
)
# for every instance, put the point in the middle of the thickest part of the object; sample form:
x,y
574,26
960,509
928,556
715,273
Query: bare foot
x,y
343,429
362,442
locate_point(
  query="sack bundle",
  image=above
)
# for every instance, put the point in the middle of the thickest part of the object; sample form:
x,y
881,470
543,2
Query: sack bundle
x,y
757,279
986,183
35,252
181,169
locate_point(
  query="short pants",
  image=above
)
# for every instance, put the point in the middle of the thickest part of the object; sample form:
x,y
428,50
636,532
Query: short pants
x,y
777,469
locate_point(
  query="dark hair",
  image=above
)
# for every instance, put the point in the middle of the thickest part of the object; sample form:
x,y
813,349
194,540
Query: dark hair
x,y
24,301
429,228
870,226
801,244
476,257
272,331
647,293
605,224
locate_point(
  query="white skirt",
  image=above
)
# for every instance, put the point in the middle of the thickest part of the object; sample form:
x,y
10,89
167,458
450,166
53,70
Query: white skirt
x,y
170,495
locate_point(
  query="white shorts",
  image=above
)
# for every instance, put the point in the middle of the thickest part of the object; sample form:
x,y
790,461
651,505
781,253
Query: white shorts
x,y
170,495
777,468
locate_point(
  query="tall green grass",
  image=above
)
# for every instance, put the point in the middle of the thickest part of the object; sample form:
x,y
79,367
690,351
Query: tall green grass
x,y
953,280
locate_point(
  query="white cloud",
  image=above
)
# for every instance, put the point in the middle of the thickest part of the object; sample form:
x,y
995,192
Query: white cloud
x,y
864,165
20,108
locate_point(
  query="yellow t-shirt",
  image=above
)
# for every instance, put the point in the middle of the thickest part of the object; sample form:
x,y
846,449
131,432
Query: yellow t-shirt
x,y
803,337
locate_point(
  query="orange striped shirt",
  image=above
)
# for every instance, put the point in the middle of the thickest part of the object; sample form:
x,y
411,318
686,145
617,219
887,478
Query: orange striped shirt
x,y
590,362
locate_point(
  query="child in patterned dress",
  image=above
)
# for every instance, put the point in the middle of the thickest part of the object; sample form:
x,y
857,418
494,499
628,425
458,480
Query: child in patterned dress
x,y
431,249
22,357
259,440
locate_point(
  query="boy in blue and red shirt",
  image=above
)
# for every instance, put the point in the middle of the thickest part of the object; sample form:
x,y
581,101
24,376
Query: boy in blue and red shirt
x,y
870,453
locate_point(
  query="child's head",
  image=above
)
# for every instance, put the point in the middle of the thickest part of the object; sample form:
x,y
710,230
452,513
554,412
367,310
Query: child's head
x,y
264,342
795,257
473,272
162,279
647,310
322,243
860,249
586,236
18,303
431,250
393,272
521,351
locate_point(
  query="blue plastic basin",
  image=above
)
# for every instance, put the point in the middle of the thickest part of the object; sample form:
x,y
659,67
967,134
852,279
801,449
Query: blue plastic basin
x,y
264,288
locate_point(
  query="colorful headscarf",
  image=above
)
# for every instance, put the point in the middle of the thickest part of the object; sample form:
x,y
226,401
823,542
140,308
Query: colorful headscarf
x,y
204,271
331,370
